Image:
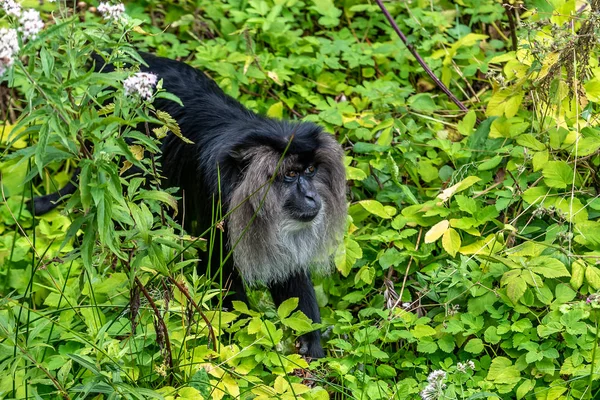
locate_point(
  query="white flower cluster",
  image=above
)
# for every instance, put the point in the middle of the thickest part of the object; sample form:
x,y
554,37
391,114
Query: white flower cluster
x,y
111,11
434,390
31,24
141,83
462,367
9,46
11,7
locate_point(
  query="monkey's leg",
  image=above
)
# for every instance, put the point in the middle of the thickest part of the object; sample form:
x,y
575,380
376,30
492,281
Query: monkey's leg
x,y
300,286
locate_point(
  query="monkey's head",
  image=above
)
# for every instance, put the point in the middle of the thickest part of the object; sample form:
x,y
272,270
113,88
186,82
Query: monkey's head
x,y
288,209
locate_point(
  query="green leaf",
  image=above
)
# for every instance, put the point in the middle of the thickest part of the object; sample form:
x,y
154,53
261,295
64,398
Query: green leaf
x,y
420,331
459,187
276,110
515,288
474,346
466,125
376,208
286,308
385,371
491,335
437,231
592,276
422,102
527,140
558,174
451,241
539,161
299,322
490,164
577,274
502,371
548,267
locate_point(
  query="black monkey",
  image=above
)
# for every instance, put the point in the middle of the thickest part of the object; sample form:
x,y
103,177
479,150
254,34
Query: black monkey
x,y
284,181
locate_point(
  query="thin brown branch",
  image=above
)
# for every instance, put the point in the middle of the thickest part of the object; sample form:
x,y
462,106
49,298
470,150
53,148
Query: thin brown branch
x,y
419,59
185,292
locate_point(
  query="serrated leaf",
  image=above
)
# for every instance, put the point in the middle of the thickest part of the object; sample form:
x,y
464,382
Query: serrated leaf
x,y
474,346
420,331
539,160
502,371
558,174
529,141
515,289
299,322
437,231
172,125
577,274
592,276
548,267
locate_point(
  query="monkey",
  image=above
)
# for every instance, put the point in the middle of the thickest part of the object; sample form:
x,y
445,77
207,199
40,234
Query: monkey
x,y
282,185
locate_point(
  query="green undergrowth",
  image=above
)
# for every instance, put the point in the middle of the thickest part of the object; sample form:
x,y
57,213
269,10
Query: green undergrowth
x,y
473,237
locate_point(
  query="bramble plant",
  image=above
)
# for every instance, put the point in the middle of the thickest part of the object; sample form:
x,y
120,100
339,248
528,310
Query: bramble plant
x,y
470,265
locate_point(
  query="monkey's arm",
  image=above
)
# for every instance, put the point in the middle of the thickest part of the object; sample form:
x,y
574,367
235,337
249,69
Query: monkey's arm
x,y
300,286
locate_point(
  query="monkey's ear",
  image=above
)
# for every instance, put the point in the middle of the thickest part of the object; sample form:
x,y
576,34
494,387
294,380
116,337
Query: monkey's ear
x,y
239,158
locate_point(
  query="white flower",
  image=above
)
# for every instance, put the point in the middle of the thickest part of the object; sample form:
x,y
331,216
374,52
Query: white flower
x,y
141,83
429,393
462,367
11,7
31,24
9,46
436,376
111,11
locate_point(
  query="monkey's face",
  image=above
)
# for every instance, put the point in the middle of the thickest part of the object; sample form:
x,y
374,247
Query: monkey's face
x,y
302,202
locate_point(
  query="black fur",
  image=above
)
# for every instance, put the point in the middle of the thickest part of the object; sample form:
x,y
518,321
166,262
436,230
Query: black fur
x,y
221,130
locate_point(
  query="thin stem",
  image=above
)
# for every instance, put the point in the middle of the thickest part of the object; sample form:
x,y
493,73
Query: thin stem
x,y
420,60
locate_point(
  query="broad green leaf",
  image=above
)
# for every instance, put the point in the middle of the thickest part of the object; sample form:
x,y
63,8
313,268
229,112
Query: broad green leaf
x,y
515,288
558,174
437,231
451,241
286,308
577,274
276,110
466,125
490,164
548,267
376,208
536,195
474,346
529,141
346,257
299,322
540,159
592,276
502,371
420,331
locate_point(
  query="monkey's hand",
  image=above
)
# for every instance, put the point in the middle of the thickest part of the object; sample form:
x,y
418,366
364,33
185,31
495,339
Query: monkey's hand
x,y
309,345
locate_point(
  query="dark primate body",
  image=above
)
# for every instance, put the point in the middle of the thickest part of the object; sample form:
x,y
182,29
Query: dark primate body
x,y
299,207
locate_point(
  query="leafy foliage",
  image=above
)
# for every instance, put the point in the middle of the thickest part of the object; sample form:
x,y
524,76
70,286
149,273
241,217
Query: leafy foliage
x,y
468,239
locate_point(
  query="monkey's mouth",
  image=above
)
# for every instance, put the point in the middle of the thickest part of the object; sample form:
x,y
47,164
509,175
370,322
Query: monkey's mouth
x,y
306,216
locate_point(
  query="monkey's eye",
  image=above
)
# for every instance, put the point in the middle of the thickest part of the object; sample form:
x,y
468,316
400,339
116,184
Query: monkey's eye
x,y
291,175
310,170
